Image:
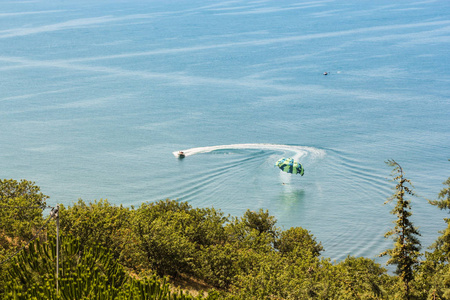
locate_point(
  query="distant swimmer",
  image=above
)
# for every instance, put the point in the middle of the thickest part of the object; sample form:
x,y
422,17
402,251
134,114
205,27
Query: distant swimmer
x,y
325,73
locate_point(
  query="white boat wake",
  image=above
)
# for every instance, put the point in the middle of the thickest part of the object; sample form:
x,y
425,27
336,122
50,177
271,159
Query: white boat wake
x,y
298,151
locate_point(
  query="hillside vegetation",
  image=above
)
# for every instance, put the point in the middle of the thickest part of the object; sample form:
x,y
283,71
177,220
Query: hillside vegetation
x,y
115,252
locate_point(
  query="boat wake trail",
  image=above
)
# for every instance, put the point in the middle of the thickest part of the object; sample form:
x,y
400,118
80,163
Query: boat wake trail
x,y
298,151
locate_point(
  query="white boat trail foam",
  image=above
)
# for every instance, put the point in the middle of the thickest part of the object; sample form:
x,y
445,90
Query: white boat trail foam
x,y
298,151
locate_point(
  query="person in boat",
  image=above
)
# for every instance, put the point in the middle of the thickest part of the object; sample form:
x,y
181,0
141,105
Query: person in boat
x,y
181,154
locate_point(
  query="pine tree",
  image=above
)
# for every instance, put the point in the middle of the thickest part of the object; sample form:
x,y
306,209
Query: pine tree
x,y
407,246
435,269
442,245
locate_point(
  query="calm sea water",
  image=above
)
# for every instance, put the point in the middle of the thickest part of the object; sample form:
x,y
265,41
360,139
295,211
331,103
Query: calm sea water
x,y
96,95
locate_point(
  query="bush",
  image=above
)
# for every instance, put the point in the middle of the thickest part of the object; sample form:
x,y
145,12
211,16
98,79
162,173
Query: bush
x,y
296,241
98,222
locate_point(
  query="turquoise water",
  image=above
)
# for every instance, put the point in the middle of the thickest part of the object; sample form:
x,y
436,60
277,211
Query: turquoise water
x,y
97,95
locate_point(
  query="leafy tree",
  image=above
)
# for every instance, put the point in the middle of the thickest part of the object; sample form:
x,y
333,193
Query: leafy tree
x,y
218,264
296,241
167,251
261,221
202,226
98,222
169,232
362,278
261,276
407,246
21,206
255,230
206,226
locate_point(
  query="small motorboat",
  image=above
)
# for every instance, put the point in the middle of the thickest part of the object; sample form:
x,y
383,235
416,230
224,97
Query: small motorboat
x,y
325,73
181,154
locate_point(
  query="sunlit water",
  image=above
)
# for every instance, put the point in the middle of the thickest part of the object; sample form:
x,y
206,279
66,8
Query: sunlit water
x,y
97,96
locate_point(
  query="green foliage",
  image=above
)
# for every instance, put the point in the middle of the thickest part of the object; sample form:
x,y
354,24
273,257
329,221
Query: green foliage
x,y
154,288
255,230
432,279
442,246
218,264
168,251
169,233
83,274
245,258
97,222
260,221
362,278
91,273
11,190
21,206
310,277
434,273
407,246
296,241
201,226
443,201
